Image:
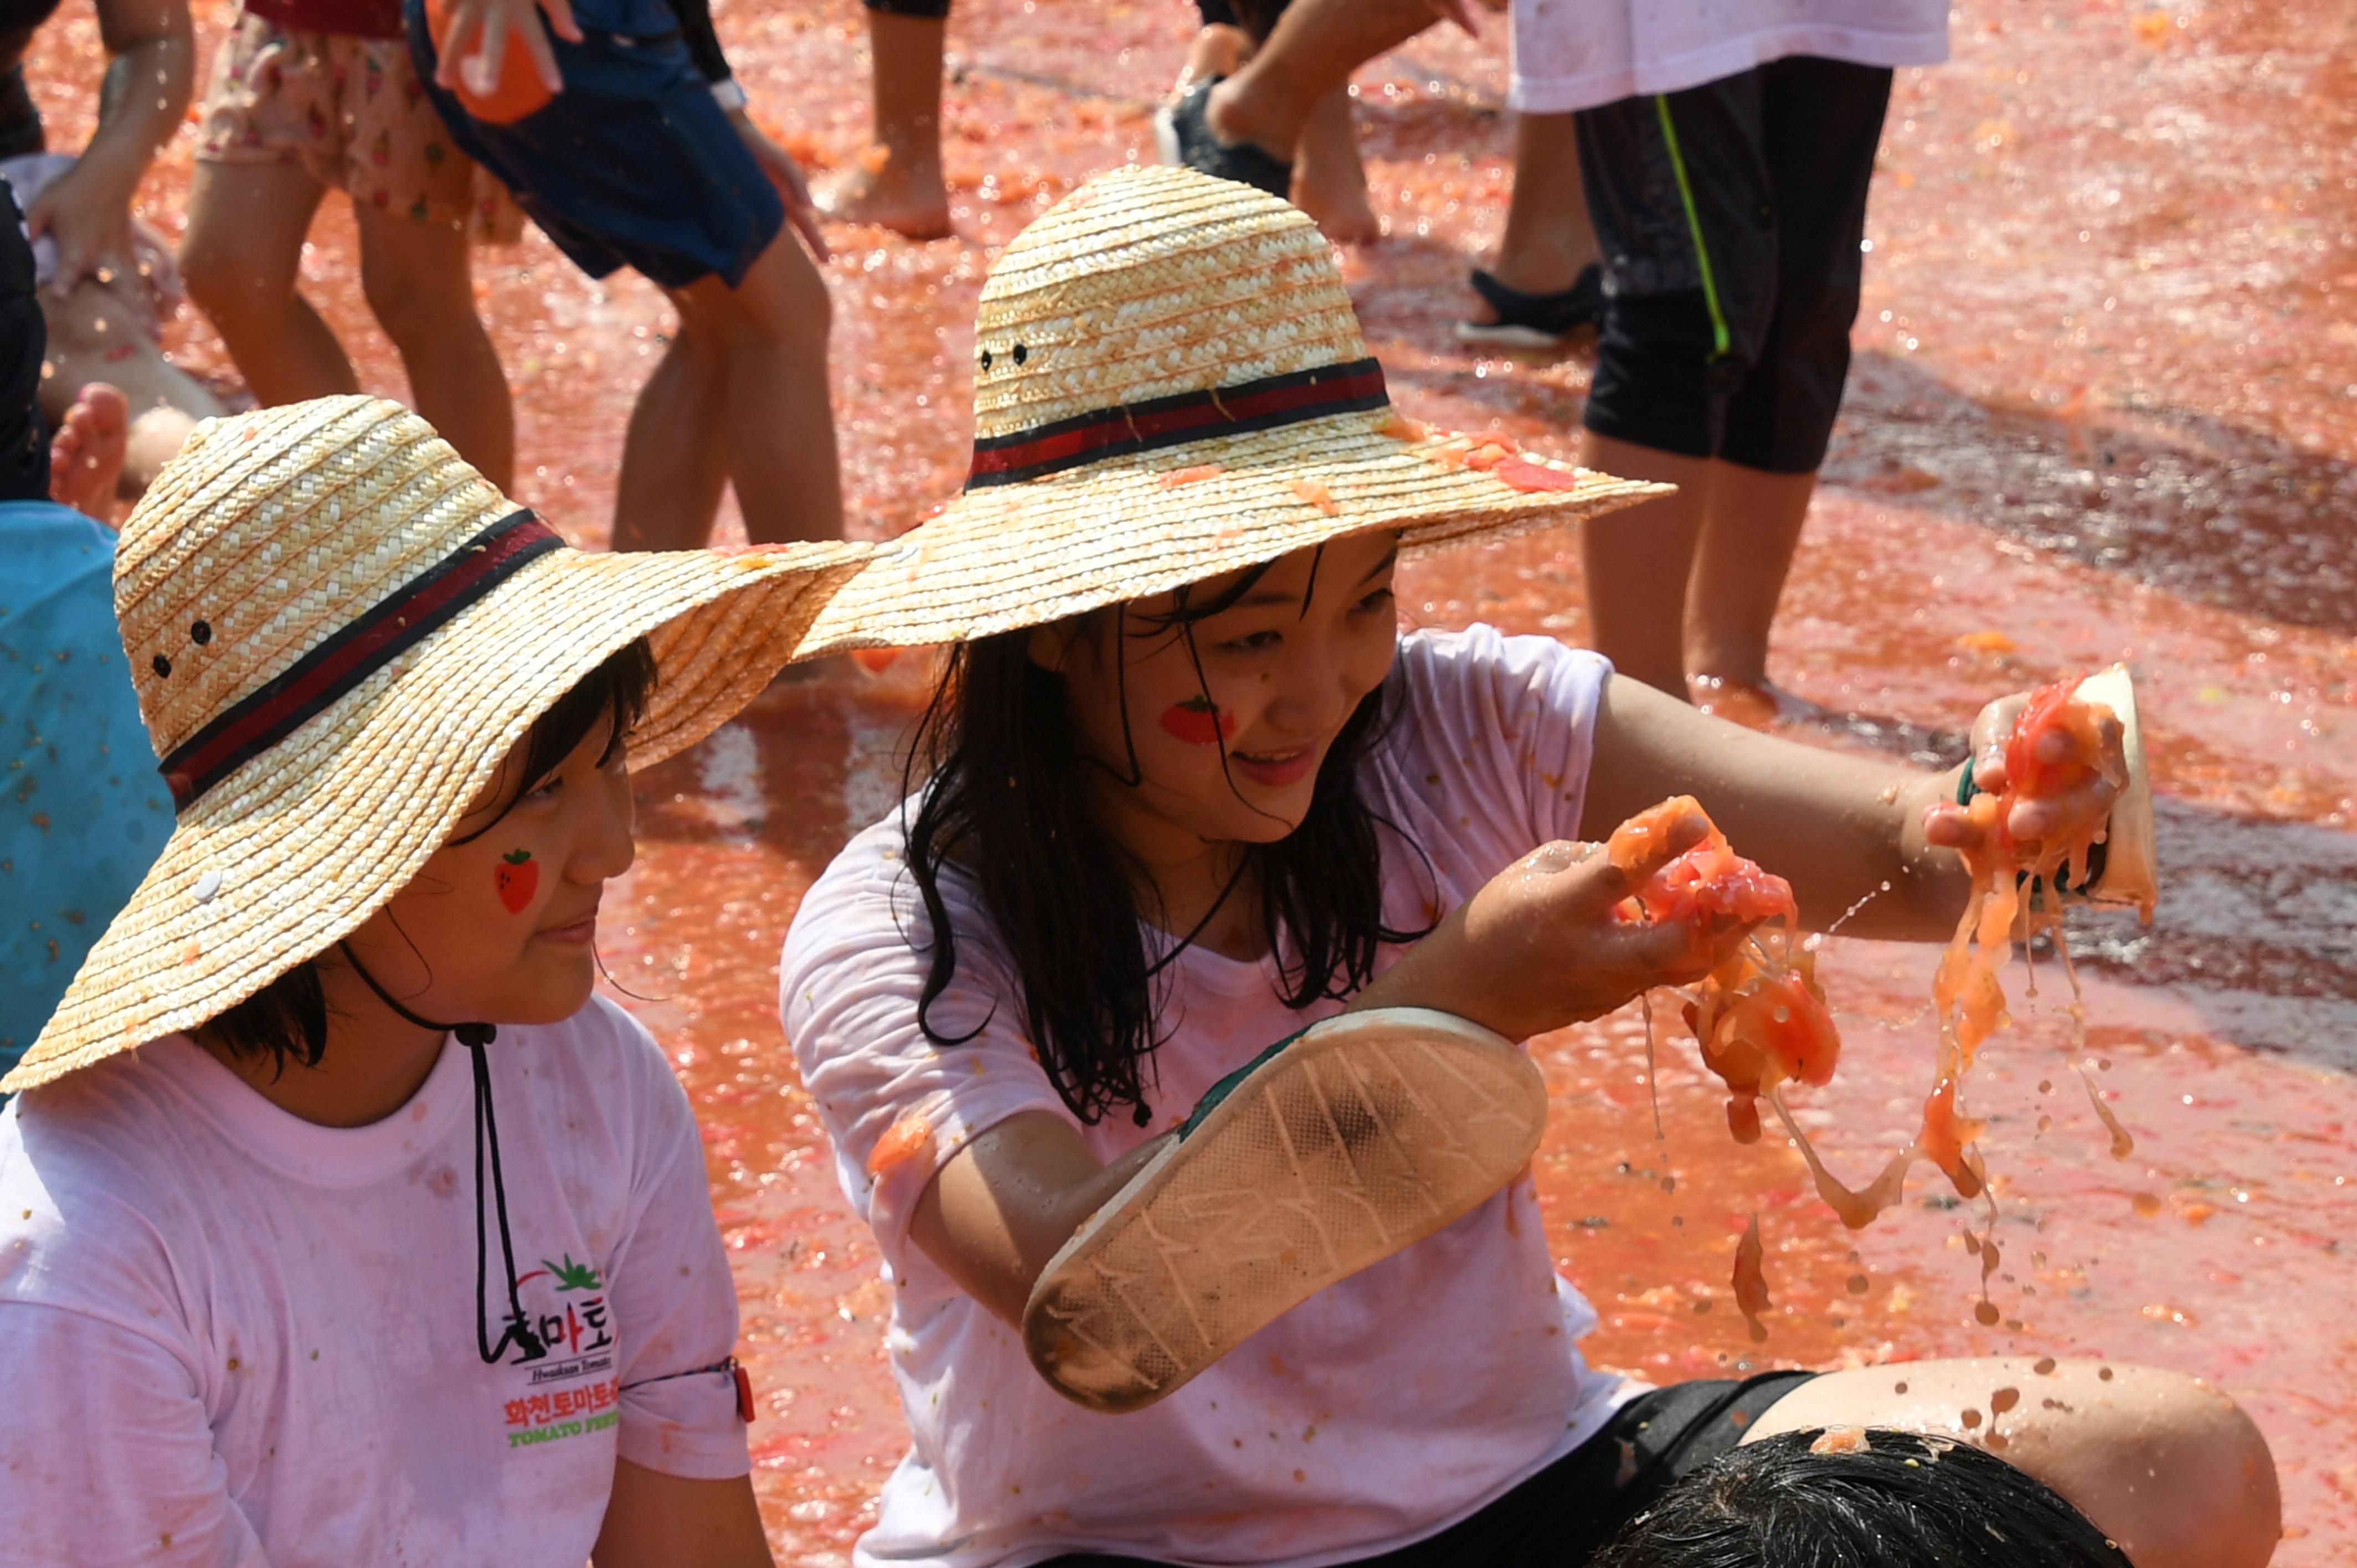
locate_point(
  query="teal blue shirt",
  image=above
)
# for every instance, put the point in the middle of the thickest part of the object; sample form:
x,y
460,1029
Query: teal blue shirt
x,y
82,809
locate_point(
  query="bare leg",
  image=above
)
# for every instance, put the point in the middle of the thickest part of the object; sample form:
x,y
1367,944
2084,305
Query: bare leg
x,y
904,192
86,453
2166,1464
241,259
675,461
1329,183
1310,52
419,283
1748,536
743,391
1547,241
1637,561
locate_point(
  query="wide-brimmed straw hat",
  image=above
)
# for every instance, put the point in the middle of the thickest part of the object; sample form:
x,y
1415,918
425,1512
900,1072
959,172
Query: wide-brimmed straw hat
x,y
338,630
1171,385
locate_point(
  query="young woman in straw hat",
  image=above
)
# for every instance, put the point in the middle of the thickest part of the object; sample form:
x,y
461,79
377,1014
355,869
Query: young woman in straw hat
x,y
1191,791
338,1222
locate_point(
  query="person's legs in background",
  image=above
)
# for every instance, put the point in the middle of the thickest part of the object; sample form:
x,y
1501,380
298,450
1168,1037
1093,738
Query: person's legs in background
x,y
1290,102
240,258
419,280
1823,121
742,395
260,176
896,184
1545,273
1729,216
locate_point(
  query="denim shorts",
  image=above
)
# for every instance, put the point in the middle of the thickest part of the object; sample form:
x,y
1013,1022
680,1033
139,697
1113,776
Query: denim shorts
x,y
633,164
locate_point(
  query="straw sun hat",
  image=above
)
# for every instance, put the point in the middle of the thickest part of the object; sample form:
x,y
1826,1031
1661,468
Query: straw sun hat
x,y
1171,385
338,630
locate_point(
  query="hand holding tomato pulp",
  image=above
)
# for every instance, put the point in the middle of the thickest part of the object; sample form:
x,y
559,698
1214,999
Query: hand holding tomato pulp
x,y
1760,1017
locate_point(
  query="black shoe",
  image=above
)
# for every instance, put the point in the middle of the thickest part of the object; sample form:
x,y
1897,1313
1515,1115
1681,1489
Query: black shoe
x,y
1534,320
1183,136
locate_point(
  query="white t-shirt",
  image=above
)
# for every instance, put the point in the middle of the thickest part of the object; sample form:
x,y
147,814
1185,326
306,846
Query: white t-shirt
x,y
234,1337
1578,54
1379,1412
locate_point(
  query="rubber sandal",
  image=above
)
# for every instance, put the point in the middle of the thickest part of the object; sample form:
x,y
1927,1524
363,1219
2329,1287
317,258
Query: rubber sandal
x,y
1183,136
2130,873
1334,1150
1534,320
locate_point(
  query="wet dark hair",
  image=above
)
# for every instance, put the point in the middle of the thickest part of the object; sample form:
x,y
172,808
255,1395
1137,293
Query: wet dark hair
x,y
1006,810
1902,1500
288,1020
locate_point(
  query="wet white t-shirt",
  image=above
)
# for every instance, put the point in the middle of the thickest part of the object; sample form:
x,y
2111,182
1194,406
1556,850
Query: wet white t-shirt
x,y
1379,1412
233,1337
1578,54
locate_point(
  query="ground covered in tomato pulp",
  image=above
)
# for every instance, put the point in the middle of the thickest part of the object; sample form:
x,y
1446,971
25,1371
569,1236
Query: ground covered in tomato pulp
x,y
2104,406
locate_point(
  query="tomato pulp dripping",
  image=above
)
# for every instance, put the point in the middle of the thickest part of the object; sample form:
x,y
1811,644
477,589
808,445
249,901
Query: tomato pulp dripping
x,y
1760,1016
1967,991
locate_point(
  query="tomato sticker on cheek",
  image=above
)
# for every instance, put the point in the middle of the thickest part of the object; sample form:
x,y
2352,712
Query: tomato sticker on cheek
x,y
1197,721
517,877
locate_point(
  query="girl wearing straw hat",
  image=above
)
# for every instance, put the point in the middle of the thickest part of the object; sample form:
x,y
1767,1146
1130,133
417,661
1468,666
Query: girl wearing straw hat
x,y
338,1222
1174,1009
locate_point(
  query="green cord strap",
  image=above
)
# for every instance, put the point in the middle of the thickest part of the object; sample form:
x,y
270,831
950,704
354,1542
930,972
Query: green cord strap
x,y
1720,337
1226,1086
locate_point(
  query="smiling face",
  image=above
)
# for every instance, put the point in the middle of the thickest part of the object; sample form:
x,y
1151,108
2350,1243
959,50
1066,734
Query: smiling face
x,y
498,924
1229,717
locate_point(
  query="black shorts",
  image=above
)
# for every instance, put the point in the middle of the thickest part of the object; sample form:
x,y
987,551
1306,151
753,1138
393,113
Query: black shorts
x,y
1560,1516
632,164
1730,218
933,8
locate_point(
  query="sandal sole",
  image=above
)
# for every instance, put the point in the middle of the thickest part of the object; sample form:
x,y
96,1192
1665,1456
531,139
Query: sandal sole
x,y
1372,1132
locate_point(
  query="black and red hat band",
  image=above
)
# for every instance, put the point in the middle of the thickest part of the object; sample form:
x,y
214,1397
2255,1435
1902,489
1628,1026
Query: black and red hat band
x,y
1269,403
333,669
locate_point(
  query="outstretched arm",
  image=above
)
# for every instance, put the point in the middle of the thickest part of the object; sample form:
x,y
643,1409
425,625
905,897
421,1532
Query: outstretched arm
x,y
1838,827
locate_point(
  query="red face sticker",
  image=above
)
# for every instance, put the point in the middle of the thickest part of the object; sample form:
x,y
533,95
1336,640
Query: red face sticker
x,y
1197,721
517,877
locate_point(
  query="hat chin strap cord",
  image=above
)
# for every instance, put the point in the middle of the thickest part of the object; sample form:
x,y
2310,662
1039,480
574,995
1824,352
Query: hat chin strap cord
x,y
475,1036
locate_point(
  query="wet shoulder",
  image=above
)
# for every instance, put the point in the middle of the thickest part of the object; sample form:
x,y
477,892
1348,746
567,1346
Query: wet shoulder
x,y
1484,756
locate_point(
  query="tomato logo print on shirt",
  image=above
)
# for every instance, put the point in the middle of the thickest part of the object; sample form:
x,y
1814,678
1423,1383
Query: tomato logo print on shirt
x,y
577,1332
517,877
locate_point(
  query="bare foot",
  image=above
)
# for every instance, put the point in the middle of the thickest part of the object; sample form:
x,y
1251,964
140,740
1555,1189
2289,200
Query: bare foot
x,y
874,189
86,453
1755,706
1329,183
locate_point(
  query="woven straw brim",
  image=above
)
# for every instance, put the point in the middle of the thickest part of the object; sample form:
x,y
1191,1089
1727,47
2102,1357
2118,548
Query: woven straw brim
x,y
1004,557
306,841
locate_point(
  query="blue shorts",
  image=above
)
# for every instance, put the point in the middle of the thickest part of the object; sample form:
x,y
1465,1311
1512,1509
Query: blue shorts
x,y
632,164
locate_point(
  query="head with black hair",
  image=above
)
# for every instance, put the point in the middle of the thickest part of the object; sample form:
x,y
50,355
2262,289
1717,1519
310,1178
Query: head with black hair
x,y
1859,1497
1189,760
498,923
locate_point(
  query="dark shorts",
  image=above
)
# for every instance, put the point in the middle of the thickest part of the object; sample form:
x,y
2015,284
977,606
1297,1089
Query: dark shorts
x,y
1730,218
632,164
20,119
934,8
1560,1516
